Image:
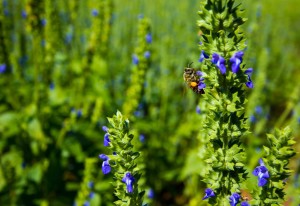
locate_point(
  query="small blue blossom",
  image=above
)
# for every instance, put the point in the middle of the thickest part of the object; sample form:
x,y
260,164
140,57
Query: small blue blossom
x,y
135,59
91,195
24,14
262,173
249,84
86,203
198,110
236,60
258,110
199,73
105,128
245,204
149,38
43,42
95,12
90,184
252,118
219,61
6,12
299,120
43,22
208,193
68,38
51,86
79,113
203,56
2,68
23,60
106,140
142,138
105,165
234,199
150,194
140,16
201,84
147,54
128,179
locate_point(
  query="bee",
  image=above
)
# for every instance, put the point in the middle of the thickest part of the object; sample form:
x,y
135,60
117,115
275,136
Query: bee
x,y
192,79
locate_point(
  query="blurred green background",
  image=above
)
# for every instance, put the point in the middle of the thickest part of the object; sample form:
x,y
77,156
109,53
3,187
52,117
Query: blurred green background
x,y
66,65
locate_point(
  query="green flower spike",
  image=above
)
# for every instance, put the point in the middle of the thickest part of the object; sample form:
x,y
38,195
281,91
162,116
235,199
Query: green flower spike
x,y
123,162
223,42
277,156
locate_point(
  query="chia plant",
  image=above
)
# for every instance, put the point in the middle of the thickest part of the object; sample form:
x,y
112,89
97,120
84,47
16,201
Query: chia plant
x,y
86,193
122,162
141,63
221,44
273,170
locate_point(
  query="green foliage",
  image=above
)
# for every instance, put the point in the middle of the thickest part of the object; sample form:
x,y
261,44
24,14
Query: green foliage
x,y
66,74
277,155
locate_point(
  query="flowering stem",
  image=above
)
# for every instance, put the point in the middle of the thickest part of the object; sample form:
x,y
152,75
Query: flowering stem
x,y
123,162
223,41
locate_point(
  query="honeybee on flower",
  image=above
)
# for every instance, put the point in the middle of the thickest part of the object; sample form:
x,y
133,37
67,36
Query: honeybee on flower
x,y
194,79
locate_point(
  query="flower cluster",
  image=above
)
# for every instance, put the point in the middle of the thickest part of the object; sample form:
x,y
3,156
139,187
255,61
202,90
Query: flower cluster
x,y
235,62
262,173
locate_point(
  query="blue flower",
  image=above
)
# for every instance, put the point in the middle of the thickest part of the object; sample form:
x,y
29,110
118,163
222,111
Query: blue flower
x,y
142,138
245,204
105,165
106,140
86,203
79,113
148,38
43,22
258,110
51,86
208,193
90,184
128,179
219,62
252,118
147,54
135,59
24,14
234,199
262,173
236,60
249,84
150,194
199,73
203,56
105,128
95,12
2,68
198,110
91,195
